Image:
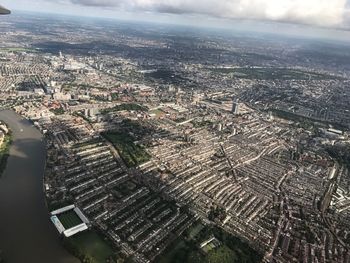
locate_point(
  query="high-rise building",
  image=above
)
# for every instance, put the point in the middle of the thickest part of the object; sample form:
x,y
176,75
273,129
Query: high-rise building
x,y
235,107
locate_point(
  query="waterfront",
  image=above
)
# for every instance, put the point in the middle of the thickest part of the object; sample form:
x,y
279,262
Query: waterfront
x,y
26,234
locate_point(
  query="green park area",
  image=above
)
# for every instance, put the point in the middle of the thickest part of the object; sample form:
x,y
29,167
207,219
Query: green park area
x,y
5,152
340,153
186,249
127,107
273,74
200,124
132,154
58,111
90,247
222,254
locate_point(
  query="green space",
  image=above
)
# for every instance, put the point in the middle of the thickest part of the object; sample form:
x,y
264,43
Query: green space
x,y
186,249
137,129
181,251
194,230
222,254
305,122
90,247
273,74
5,151
58,111
127,107
167,76
200,124
341,153
69,219
132,154
210,246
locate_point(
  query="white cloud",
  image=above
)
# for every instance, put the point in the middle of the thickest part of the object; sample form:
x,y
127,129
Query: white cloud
x,y
329,13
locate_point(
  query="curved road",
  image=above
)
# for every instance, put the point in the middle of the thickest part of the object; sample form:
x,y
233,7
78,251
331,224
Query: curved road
x,y
26,234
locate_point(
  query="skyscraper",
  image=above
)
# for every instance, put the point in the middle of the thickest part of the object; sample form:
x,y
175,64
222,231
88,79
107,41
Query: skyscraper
x,y
235,107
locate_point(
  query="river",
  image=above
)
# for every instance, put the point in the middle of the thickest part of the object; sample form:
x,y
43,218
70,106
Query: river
x,y
26,233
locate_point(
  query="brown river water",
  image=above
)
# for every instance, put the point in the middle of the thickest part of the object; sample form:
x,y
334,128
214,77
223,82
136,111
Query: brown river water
x,y
26,233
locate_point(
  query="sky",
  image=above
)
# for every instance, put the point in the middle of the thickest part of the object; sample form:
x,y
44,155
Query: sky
x,y
318,14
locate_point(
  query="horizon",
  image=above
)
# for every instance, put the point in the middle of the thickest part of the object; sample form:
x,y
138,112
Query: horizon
x,y
242,26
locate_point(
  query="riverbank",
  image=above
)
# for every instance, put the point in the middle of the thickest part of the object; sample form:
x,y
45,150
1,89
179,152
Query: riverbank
x,y
5,151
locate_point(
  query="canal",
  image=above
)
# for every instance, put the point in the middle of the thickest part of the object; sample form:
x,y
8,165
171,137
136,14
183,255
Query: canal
x,y
26,234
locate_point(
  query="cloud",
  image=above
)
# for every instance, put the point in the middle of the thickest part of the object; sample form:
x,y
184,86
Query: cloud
x,y
328,13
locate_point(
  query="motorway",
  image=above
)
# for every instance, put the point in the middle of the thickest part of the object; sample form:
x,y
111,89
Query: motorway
x,y
26,234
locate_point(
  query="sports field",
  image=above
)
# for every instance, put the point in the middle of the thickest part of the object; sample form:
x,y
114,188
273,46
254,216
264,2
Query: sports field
x,y
69,219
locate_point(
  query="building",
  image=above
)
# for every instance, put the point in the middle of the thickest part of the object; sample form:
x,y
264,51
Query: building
x,y
235,107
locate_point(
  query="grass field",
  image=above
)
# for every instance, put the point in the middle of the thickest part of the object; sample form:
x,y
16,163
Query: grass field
x,y
69,219
90,245
131,153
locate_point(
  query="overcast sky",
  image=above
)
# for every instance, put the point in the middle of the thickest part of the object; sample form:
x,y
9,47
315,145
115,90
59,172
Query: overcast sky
x,y
333,14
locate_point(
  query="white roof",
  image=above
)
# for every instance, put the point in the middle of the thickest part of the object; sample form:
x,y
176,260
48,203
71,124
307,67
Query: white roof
x,y
74,230
58,224
62,210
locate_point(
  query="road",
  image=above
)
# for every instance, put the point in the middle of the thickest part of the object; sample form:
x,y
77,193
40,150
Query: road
x,y
26,234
